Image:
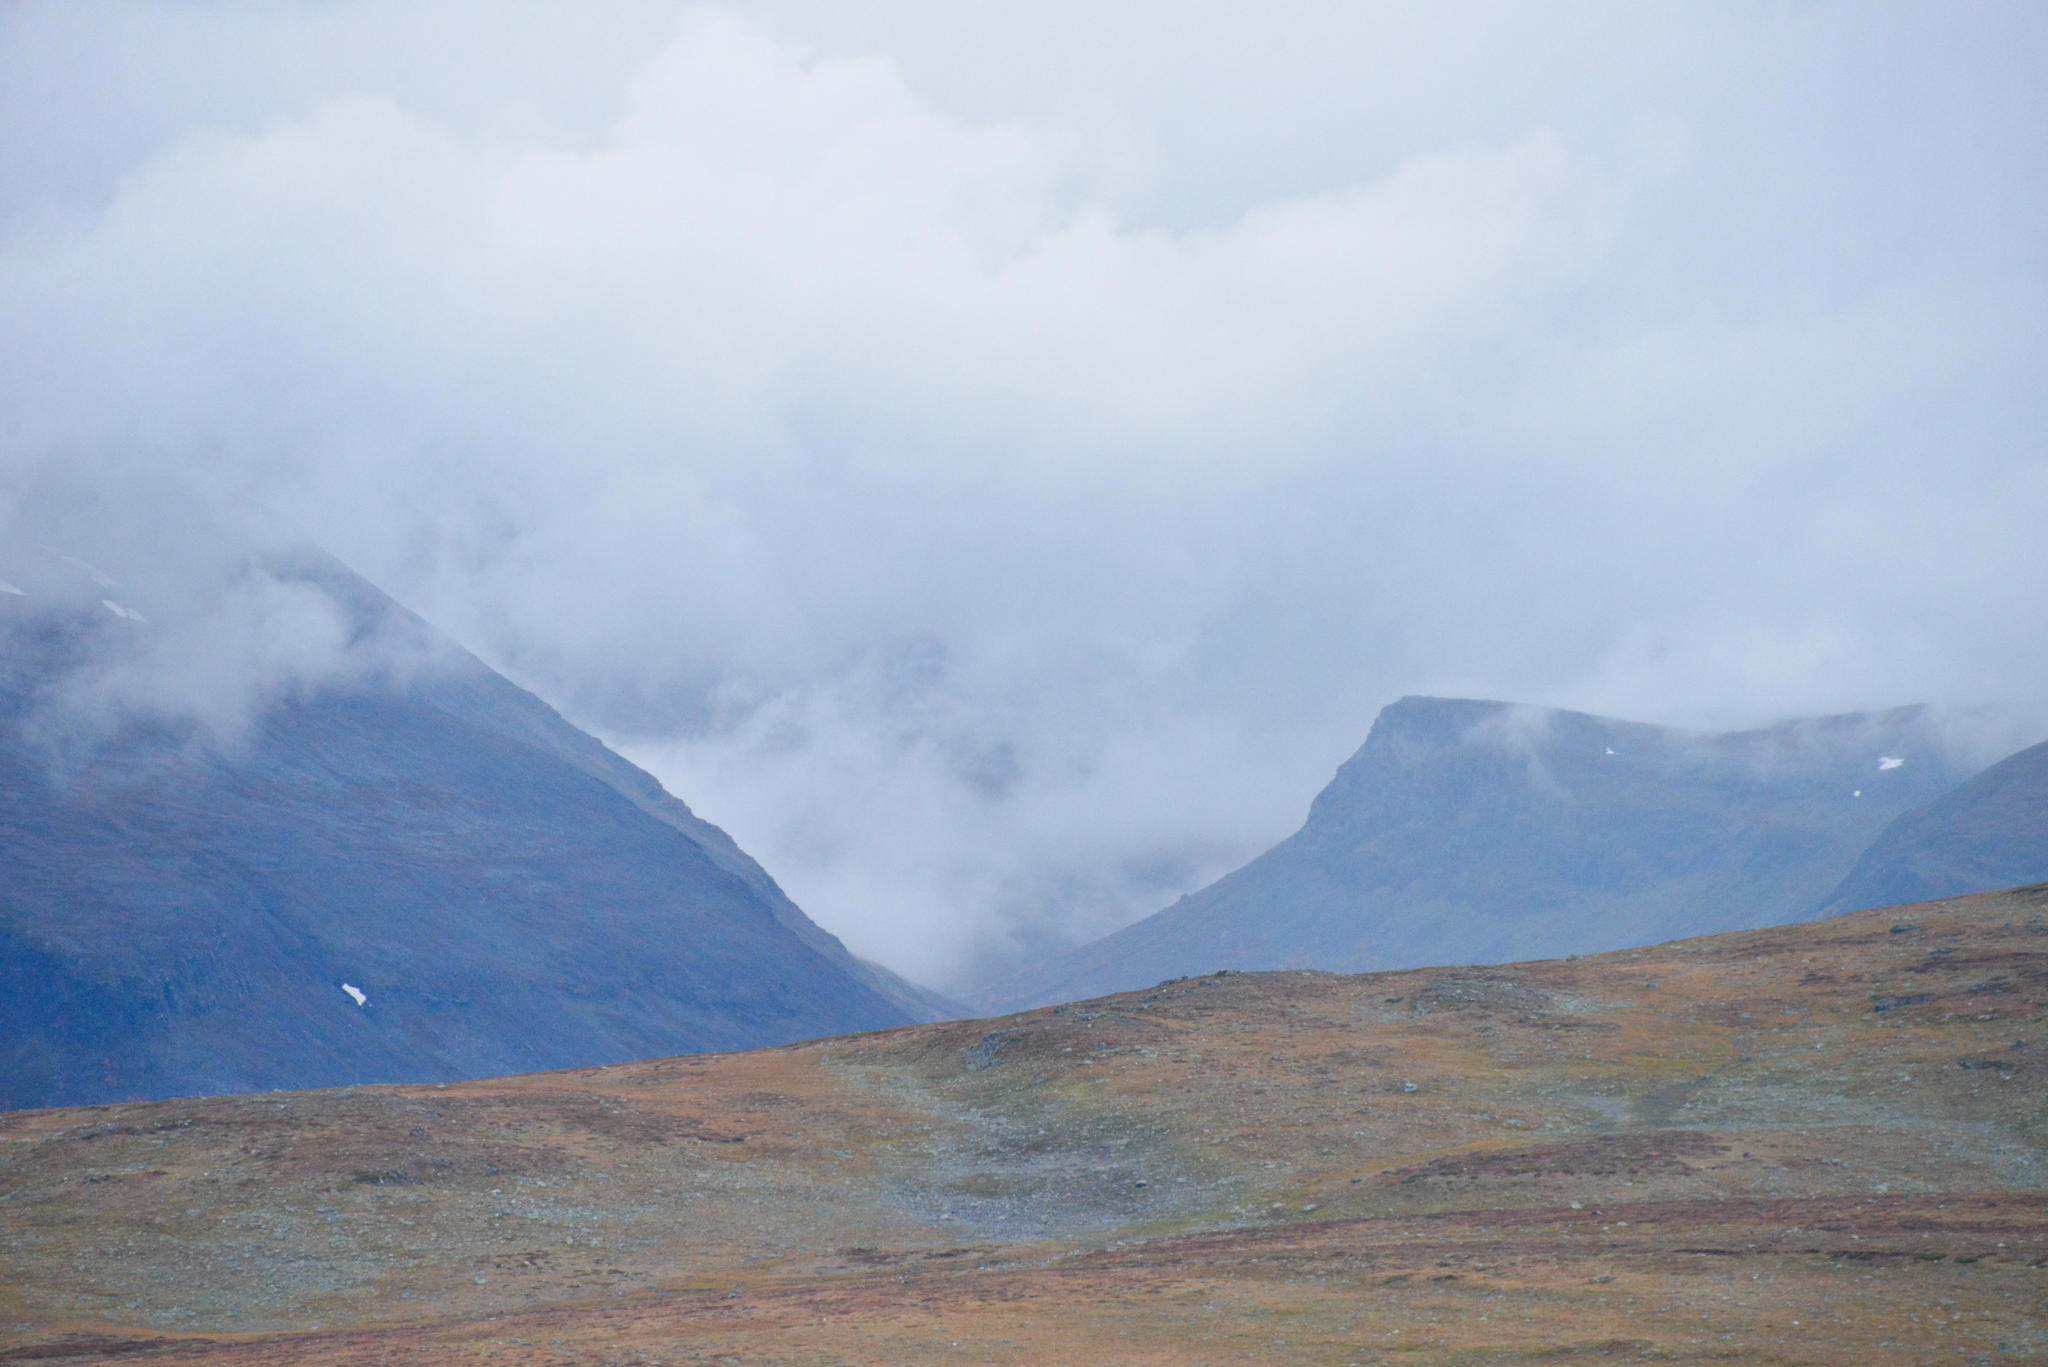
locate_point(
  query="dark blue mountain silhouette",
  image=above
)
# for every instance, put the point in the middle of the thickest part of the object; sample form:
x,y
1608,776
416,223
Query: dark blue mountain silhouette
x,y
1466,831
179,916
1989,833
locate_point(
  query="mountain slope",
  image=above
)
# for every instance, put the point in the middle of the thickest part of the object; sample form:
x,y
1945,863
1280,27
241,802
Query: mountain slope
x,y
180,917
485,698
1991,832
1466,831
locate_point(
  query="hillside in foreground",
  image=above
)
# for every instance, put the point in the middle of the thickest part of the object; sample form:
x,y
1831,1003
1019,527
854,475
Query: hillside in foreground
x,y
1820,1142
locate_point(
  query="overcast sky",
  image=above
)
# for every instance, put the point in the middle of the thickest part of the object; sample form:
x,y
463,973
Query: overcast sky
x,y
996,459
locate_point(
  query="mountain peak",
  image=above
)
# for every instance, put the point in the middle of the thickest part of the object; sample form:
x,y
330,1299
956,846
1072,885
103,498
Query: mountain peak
x,y
416,873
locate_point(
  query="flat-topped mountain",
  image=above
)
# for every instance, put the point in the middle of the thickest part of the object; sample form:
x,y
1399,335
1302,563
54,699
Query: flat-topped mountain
x,y
1466,831
418,875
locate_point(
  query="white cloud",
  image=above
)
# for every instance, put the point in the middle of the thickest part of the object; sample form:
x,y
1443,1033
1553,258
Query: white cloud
x,y
999,464
234,623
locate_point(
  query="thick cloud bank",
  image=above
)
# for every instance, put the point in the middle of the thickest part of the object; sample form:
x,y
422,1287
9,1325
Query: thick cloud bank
x,y
997,463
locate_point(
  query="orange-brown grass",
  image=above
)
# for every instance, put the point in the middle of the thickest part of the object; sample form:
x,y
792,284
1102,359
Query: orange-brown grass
x,y
1815,1143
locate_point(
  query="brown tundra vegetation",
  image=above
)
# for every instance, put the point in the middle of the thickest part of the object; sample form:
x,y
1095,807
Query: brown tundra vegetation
x,y
1817,1143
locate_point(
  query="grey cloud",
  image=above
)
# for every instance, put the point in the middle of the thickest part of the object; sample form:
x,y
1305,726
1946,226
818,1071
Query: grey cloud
x,y
138,603
998,464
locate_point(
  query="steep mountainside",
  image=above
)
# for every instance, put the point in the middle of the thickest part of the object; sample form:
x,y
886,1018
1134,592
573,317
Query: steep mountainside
x,y
1992,832
181,917
1815,1143
1465,832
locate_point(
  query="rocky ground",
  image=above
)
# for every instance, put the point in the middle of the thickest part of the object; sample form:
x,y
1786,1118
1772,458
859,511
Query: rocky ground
x,y
1818,1143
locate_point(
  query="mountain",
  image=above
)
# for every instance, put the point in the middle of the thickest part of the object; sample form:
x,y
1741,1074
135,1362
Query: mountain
x,y
1467,831
1813,1143
414,872
1991,832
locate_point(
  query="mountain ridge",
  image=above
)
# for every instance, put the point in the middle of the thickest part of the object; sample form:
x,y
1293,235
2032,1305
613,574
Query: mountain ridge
x,y
1466,830
1989,831
179,916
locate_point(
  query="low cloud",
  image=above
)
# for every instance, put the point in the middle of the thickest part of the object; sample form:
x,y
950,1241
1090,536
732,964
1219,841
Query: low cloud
x,y
1001,489
148,607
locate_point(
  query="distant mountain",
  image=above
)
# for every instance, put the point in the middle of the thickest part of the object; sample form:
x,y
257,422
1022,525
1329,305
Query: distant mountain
x,y
417,876
1990,833
1466,831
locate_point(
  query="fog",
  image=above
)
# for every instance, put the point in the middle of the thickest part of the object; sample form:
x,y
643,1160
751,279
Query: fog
x,y
997,460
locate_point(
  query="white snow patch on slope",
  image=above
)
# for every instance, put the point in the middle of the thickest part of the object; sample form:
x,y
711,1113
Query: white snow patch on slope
x,y
355,992
125,614
1889,761
6,587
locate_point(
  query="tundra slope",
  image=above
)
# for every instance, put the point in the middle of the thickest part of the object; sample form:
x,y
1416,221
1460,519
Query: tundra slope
x,y
1468,831
501,890
1814,1143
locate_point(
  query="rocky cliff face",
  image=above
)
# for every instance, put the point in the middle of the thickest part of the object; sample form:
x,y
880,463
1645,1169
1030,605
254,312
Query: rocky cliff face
x,y
1466,831
420,874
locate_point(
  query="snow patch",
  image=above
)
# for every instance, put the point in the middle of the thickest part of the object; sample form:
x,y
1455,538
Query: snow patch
x,y
1890,761
1610,749
1857,793
355,992
125,614
6,587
